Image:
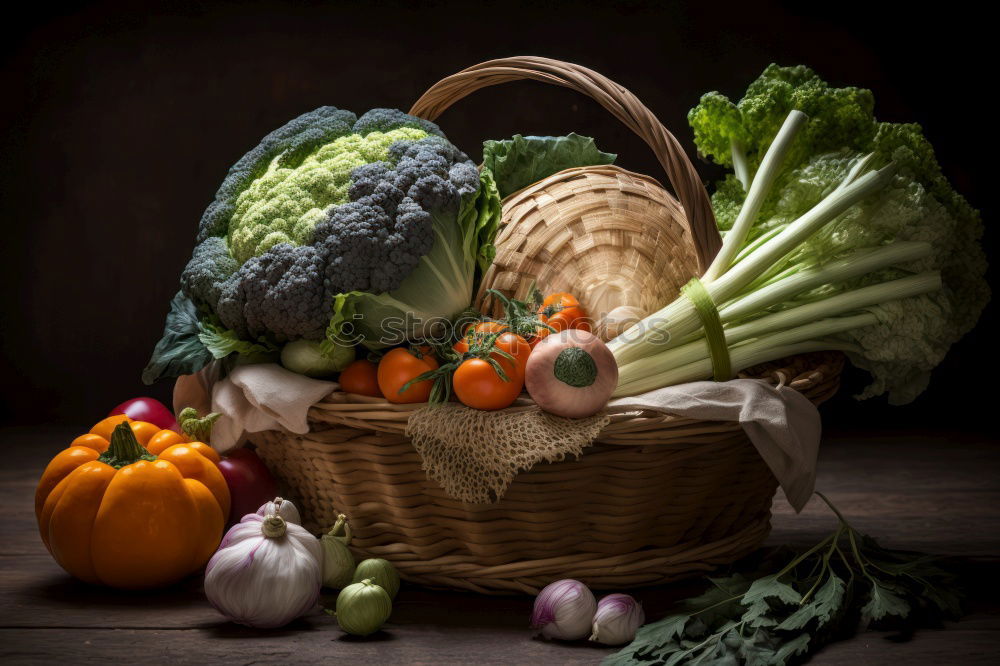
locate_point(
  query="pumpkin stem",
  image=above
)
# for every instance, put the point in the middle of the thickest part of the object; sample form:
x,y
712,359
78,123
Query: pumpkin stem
x,y
273,526
124,449
197,429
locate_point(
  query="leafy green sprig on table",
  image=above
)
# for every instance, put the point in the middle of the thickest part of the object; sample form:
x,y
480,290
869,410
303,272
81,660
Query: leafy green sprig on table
x,y
843,583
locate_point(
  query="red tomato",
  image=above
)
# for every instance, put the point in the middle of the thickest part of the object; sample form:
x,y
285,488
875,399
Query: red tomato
x,y
478,385
397,368
361,377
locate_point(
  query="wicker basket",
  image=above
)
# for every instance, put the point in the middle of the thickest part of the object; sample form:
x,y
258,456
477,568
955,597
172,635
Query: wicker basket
x,y
656,499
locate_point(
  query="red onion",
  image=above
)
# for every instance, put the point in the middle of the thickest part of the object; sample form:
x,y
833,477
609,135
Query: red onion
x,y
564,610
617,619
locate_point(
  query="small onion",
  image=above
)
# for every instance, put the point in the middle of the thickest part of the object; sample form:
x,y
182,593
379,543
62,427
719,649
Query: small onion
x,y
280,507
564,610
338,562
362,608
617,619
618,321
381,572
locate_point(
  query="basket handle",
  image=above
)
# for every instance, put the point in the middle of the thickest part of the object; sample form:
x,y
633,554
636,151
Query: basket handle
x,y
621,103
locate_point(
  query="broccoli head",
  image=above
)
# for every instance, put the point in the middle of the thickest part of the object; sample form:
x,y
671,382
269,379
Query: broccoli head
x,y
331,207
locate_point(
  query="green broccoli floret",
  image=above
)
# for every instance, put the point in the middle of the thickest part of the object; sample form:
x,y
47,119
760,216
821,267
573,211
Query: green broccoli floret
x,y
284,204
333,214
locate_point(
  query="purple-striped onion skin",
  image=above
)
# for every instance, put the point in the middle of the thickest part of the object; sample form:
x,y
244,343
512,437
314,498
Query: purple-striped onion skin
x,y
564,610
617,619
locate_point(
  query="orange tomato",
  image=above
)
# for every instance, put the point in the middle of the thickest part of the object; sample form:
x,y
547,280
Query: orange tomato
x,y
398,367
562,310
485,327
540,334
478,385
511,343
517,347
361,377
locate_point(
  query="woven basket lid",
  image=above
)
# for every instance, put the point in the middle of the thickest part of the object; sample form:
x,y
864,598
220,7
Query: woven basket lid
x,y
611,237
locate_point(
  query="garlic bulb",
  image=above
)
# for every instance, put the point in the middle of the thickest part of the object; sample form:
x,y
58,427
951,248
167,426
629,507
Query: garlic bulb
x,y
338,562
281,507
381,572
617,619
362,608
267,571
564,610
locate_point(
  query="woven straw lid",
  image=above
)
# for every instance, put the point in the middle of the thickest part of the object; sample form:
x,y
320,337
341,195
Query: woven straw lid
x,y
611,237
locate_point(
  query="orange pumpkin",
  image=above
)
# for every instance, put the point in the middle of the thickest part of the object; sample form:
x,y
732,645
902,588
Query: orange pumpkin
x,y
113,512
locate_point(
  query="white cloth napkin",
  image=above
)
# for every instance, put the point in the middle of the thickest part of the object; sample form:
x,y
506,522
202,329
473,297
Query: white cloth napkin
x,y
259,397
782,423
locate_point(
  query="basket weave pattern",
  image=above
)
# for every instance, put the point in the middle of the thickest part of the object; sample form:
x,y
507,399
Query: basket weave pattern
x,y
659,498
607,235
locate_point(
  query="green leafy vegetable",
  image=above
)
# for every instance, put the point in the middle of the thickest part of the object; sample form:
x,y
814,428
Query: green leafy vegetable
x,y
192,338
840,233
222,342
817,597
180,351
522,160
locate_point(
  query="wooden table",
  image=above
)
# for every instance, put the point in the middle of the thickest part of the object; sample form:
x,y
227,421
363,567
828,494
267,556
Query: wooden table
x,y
936,493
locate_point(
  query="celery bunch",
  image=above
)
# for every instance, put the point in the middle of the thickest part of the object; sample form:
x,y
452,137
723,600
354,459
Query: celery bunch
x,y
839,233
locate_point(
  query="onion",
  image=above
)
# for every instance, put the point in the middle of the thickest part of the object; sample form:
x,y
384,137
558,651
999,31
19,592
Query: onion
x,y
617,619
571,374
564,610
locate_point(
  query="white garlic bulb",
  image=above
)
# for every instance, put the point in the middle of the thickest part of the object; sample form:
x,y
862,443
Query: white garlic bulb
x,y
283,508
267,571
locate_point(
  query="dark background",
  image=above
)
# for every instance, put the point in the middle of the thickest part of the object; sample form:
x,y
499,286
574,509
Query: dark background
x,y
119,120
